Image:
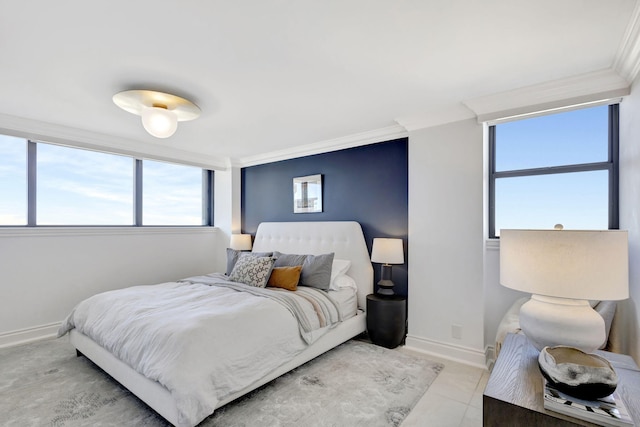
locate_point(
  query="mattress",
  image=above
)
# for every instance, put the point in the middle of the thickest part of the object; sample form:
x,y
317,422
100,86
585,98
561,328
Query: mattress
x,y
346,300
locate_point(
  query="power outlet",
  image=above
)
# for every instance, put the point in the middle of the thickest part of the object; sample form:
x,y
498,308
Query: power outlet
x,y
456,332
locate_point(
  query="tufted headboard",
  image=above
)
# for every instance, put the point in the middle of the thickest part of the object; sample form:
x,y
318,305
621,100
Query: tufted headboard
x,y
344,238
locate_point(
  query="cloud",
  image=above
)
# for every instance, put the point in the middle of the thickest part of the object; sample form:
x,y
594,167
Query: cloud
x,y
80,187
11,219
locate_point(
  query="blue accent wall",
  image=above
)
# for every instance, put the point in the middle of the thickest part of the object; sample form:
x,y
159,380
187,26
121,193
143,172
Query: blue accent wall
x,y
368,184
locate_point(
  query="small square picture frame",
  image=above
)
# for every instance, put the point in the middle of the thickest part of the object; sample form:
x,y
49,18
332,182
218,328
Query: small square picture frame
x,y
307,194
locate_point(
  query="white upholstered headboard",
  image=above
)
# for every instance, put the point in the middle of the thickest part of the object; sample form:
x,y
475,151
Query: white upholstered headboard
x,y
344,238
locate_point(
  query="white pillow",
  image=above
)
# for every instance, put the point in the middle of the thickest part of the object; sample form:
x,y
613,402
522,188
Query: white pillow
x,y
343,281
339,267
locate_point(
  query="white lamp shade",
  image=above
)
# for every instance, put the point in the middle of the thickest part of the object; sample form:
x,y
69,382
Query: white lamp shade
x,y
240,242
387,251
159,122
577,264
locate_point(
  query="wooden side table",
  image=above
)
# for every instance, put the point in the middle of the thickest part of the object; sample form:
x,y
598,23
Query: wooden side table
x,y
513,396
386,319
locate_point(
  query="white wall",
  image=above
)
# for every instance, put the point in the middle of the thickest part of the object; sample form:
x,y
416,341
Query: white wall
x,y
227,209
629,311
446,240
497,298
228,214
45,272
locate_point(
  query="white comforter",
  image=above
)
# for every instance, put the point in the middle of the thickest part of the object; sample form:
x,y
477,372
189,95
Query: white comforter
x,y
202,342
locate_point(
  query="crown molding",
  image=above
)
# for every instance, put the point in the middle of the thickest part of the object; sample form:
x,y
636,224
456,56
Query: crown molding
x,y
72,137
586,88
627,62
363,138
435,118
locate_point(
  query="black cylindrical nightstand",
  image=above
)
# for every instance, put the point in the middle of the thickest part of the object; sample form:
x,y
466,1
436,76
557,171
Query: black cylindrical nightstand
x,y
386,319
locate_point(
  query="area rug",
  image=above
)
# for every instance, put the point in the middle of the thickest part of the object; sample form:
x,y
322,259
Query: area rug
x,y
356,384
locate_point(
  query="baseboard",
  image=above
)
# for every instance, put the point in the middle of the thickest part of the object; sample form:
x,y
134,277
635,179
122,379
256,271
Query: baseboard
x,y
24,336
457,353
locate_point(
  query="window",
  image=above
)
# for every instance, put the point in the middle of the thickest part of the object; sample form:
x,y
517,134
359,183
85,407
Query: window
x,y
13,180
81,187
171,194
51,185
555,169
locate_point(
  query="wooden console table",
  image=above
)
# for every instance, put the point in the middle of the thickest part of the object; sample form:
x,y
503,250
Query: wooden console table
x,y
513,396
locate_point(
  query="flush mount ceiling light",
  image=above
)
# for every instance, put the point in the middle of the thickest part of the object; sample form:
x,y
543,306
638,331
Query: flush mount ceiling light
x,y
160,111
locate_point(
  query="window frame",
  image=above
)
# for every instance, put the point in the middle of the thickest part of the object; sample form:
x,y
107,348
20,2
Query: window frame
x,y
611,165
32,173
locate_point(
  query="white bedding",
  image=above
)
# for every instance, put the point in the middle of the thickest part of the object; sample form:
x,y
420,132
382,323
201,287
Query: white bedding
x,y
185,336
347,302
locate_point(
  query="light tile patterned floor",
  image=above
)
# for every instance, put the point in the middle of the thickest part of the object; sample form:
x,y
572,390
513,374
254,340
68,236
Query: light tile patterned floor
x,y
454,399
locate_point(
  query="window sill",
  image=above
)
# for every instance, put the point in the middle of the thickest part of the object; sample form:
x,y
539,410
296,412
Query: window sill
x,y
102,231
492,244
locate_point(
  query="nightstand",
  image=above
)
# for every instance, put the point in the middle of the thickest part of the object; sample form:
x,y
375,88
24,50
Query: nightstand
x,y
513,395
386,319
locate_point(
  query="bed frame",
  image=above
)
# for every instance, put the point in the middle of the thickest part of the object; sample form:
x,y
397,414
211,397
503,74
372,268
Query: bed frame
x,y
345,239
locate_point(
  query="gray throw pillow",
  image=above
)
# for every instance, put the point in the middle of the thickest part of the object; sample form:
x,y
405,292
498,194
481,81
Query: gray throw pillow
x,y
233,254
316,271
288,260
252,270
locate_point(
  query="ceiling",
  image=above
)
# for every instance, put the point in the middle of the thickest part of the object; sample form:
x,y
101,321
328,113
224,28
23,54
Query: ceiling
x,y
279,76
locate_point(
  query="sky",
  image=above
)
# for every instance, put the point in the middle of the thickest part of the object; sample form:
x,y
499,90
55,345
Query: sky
x,y
575,200
81,187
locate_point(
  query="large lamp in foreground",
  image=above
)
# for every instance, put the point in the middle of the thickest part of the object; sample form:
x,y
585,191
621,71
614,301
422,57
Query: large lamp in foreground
x,y
563,270
387,252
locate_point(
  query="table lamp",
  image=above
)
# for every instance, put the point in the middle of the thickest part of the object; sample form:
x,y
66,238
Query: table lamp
x,y
387,252
240,242
563,270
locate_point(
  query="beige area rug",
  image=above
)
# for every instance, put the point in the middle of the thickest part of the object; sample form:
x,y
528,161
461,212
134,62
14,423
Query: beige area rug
x,y
356,384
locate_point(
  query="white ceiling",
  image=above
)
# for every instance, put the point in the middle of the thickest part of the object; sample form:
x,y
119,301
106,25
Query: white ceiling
x,y
279,75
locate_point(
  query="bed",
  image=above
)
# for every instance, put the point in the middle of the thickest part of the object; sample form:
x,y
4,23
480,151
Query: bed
x,y
344,239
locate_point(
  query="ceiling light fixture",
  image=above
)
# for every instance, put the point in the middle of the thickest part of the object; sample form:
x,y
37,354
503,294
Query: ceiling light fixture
x,y
160,111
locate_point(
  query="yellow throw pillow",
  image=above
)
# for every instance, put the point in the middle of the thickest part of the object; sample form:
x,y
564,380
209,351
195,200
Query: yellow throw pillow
x,y
285,277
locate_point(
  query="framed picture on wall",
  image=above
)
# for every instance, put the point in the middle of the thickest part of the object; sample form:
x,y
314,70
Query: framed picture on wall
x,y
307,194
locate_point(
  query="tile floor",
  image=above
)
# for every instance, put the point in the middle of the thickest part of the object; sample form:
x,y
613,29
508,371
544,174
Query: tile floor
x,y
453,400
